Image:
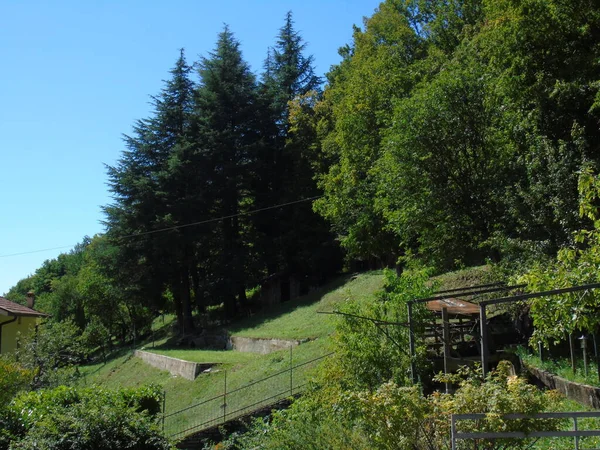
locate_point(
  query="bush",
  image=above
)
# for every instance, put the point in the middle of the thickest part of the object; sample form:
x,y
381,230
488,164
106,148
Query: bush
x,y
53,353
372,353
13,379
99,427
401,418
92,418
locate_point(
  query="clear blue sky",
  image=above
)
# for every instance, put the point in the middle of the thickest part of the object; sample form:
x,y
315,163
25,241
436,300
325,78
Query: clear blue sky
x,y
75,75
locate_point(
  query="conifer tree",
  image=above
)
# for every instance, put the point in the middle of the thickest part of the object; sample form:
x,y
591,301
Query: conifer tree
x,y
285,172
226,114
144,198
288,72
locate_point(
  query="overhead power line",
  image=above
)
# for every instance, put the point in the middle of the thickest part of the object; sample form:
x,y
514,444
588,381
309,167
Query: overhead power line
x,y
218,219
176,227
37,251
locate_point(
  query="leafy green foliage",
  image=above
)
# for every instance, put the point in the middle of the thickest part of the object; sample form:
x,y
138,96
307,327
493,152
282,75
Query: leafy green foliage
x,y
82,287
52,353
561,366
556,316
454,131
358,100
370,351
395,417
455,164
68,418
13,379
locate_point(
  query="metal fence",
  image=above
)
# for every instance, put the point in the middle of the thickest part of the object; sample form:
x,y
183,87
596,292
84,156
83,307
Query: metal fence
x,y
575,433
240,401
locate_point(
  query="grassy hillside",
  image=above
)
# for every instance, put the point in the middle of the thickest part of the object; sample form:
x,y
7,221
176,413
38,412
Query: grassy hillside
x,y
299,319
292,320
471,276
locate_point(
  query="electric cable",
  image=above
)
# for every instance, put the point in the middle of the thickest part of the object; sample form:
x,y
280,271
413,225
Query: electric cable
x,y
176,227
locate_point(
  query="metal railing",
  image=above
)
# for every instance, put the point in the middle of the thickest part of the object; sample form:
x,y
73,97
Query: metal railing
x,y
575,433
239,401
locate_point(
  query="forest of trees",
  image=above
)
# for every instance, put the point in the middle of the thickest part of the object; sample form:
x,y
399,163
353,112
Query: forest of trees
x,y
211,196
451,131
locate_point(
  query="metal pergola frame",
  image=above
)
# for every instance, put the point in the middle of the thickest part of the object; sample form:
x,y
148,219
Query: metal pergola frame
x,y
483,328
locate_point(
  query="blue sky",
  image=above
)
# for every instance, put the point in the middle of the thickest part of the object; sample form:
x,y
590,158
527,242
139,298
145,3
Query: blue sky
x,y
75,75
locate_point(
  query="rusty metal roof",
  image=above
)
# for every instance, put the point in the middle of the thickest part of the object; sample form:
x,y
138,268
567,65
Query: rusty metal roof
x,y
8,308
454,306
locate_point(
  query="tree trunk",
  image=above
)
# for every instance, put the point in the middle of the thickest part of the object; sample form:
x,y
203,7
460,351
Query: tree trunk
x,y
186,303
242,296
178,309
198,297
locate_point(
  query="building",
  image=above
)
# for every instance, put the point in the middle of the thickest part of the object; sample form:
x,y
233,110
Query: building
x,y
16,321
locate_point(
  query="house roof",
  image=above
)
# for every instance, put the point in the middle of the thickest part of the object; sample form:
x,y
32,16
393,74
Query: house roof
x,y
8,308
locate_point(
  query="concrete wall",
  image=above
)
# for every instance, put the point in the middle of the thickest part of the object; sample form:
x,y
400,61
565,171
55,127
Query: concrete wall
x,y
582,393
14,331
262,346
186,369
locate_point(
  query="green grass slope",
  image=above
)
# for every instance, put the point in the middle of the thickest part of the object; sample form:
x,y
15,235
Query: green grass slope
x,y
297,319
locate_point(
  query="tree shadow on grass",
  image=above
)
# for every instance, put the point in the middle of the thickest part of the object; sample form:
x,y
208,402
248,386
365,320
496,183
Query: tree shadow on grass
x,y
273,312
266,314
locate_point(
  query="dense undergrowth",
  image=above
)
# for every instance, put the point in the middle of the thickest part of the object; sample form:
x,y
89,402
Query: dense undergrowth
x,y
362,398
297,319
66,418
562,367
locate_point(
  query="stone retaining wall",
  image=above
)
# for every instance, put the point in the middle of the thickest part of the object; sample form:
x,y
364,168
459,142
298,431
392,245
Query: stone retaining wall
x,y
262,346
186,369
582,393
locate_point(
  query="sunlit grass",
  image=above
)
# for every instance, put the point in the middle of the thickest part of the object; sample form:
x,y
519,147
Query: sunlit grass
x,y
297,319
562,367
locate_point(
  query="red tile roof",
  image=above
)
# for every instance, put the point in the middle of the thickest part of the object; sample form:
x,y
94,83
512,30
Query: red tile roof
x,y
14,309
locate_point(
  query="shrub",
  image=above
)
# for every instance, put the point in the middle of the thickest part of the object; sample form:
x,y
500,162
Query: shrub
x,y
401,418
13,379
52,353
370,353
91,418
94,427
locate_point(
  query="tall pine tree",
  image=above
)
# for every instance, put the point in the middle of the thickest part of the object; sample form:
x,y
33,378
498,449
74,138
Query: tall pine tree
x,y
145,201
288,72
291,235
227,116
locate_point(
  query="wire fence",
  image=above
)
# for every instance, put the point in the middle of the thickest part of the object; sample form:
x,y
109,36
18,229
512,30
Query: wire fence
x,y
240,401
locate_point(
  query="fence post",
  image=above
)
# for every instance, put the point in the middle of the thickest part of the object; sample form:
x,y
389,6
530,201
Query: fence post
x,y
453,431
164,402
583,339
446,338
484,339
225,398
291,371
572,350
411,344
575,429
596,356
